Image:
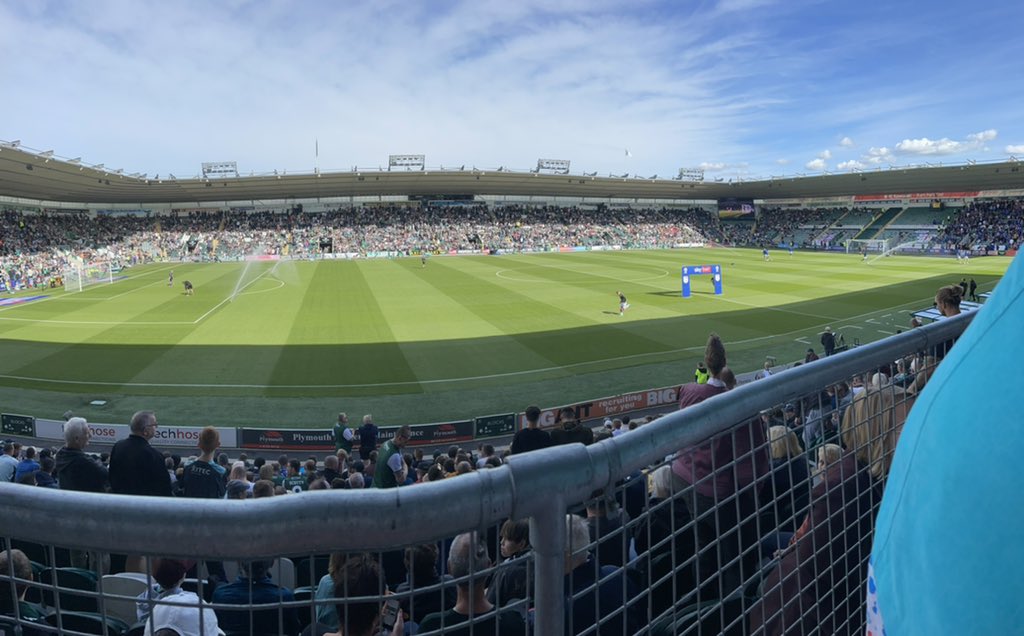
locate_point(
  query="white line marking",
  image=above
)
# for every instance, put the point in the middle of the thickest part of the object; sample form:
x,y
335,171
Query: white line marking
x,y
891,333
779,309
872,321
886,315
228,299
68,296
803,340
156,282
850,327
501,274
280,284
47,322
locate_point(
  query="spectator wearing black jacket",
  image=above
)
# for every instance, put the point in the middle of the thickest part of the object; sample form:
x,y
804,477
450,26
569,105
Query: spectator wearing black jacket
x,y
572,430
136,468
79,472
368,433
828,341
75,469
532,437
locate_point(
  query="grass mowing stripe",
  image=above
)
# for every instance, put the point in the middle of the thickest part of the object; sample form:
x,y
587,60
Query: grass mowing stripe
x,y
465,365
510,310
338,297
96,354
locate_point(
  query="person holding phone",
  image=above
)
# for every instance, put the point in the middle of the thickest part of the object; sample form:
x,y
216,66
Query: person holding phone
x,y
360,576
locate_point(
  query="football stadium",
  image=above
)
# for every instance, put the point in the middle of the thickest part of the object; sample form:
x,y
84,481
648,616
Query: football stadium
x,y
562,398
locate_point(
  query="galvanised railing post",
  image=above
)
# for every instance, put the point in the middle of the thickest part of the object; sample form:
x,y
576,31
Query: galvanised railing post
x,y
547,536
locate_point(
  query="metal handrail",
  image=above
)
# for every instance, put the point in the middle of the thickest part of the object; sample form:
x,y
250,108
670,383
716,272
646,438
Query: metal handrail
x,y
537,485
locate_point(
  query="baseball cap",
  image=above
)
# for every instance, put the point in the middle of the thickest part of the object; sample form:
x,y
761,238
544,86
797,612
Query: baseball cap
x,y
184,620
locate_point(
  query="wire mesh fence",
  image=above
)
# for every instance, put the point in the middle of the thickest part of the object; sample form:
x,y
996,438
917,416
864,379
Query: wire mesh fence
x,y
749,512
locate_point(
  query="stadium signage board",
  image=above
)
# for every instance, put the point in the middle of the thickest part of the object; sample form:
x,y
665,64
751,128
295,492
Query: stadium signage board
x,y
915,196
610,406
434,434
287,439
23,425
178,436
495,425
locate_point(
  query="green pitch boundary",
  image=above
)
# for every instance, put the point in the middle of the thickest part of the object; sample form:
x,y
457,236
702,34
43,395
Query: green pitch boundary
x,y
642,360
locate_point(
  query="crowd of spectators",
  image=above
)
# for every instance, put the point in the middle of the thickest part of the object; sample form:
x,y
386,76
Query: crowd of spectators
x,y
35,247
776,226
985,224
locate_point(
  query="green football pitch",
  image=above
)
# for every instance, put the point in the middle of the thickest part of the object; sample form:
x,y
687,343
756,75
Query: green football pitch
x,y
292,343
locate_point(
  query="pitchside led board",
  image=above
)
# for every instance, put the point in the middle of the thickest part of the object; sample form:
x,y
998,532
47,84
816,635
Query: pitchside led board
x,y
699,270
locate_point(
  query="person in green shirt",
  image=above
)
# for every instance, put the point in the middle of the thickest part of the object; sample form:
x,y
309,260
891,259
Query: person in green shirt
x,y
294,482
391,470
23,570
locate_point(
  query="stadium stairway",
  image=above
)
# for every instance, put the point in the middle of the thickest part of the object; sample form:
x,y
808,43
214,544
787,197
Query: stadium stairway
x,y
879,223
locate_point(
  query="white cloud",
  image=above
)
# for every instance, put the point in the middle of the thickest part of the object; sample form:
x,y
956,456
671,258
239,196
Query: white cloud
x,y
817,165
926,146
846,142
852,164
878,155
713,166
782,162
983,136
1015,149
945,146
825,154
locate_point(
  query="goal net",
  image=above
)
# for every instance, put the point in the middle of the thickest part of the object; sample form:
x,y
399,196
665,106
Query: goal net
x,y
856,246
78,277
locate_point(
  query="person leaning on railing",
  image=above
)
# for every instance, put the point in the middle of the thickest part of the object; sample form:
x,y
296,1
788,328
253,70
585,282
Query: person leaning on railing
x,y
947,301
719,480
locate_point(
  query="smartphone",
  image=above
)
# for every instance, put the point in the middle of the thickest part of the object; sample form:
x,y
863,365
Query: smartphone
x,y
391,610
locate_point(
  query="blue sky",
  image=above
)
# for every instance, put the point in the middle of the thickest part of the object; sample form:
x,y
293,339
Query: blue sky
x,y
742,88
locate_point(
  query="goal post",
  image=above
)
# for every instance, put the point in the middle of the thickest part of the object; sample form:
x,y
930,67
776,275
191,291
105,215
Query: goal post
x,y
78,277
880,246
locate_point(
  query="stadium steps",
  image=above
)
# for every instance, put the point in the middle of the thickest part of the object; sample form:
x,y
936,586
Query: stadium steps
x,y
879,223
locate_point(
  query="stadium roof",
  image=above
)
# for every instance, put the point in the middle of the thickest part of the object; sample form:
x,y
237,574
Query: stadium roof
x,y
42,177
